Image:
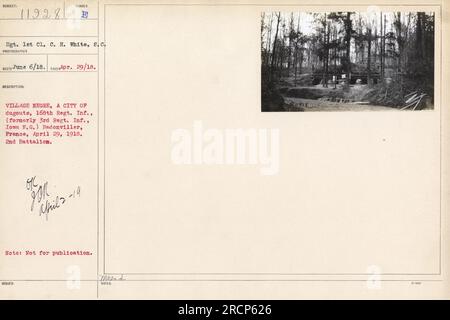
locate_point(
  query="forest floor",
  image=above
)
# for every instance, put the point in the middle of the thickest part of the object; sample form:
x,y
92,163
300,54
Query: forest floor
x,y
319,98
304,96
300,104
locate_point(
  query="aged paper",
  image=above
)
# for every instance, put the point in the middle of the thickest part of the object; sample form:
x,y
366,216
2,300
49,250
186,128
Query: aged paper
x,y
224,150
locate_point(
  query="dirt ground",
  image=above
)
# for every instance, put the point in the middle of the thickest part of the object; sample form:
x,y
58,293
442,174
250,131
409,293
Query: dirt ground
x,y
300,104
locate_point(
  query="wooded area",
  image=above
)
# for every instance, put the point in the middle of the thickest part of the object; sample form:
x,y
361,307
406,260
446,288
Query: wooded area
x,y
346,60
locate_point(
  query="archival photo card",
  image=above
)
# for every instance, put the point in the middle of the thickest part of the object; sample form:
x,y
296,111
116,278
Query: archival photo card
x,y
347,61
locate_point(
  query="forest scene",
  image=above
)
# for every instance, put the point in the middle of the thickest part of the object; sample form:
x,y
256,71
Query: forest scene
x,y
347,61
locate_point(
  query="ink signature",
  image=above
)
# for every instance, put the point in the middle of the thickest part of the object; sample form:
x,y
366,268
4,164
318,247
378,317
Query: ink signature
x,y
41,199
109,278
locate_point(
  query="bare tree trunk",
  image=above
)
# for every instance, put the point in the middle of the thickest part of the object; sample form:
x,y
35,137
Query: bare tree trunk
x,y
263,16
274,55
382,35
296,50
369,54
327,52
295,63
348,31
291,35
269,38
398,27
419,35
335,58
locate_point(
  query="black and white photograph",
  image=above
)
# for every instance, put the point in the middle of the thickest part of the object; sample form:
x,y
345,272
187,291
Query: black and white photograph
x,y
347,61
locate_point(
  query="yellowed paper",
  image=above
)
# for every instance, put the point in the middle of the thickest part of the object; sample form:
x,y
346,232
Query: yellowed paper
x,y
138,158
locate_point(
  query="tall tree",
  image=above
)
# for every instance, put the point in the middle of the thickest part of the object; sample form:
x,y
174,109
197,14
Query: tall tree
x,y
274,50
348,39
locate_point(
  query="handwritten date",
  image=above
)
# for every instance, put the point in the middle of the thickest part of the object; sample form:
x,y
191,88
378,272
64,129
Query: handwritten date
x,y
41,199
